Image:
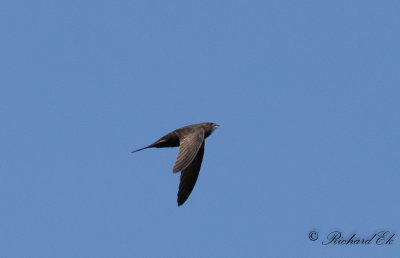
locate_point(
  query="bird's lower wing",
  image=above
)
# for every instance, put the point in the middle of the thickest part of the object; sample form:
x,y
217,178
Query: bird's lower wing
x,y
189,177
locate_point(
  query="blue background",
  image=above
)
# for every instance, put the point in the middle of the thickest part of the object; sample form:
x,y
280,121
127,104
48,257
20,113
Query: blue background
x,y
306,93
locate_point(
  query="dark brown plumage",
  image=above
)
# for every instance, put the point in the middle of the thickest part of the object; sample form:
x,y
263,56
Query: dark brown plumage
x,y
190,140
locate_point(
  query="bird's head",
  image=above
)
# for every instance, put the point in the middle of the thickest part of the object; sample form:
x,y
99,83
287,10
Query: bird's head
x,y
210,127
214,126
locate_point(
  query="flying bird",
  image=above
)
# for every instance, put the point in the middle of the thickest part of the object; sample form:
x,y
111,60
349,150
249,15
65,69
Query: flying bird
x,y
190,140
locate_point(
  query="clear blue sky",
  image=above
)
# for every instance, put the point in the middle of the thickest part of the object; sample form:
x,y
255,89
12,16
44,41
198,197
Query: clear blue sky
x,y
306,93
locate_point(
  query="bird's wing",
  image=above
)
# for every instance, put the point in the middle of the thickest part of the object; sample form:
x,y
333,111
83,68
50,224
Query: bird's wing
x,y
189,177
189,146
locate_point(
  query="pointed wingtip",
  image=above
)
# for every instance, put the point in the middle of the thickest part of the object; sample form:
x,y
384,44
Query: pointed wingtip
x,y
180,200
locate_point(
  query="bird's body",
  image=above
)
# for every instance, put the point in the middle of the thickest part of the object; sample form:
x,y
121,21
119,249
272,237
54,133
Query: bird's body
x,y
190,140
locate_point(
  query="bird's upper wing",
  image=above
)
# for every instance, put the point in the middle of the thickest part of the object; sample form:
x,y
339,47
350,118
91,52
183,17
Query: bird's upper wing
x,y
190,142
189,177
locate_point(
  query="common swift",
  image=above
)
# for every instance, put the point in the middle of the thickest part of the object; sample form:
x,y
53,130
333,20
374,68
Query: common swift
x,y
190,140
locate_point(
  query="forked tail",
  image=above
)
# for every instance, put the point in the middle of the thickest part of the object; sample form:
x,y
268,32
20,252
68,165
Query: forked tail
x,y
139,149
